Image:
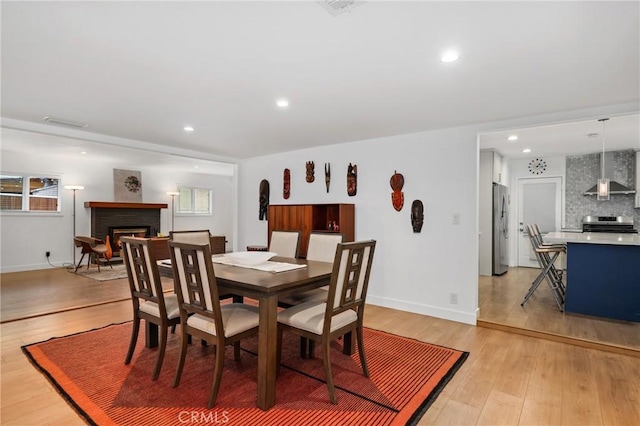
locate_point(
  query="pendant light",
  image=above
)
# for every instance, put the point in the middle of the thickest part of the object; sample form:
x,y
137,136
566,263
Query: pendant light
x,y
603,183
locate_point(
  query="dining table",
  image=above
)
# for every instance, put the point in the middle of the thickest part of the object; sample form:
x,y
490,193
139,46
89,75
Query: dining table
x,y
266,288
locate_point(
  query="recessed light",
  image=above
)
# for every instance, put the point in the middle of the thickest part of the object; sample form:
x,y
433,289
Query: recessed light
x,y
282,103
526,150
449,56
513,138
83,152
188,129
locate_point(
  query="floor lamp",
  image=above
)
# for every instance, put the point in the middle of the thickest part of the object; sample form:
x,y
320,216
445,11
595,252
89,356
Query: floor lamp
x,y
74,188
173,197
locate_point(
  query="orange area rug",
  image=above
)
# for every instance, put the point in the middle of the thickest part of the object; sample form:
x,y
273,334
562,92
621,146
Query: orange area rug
x,y
89,372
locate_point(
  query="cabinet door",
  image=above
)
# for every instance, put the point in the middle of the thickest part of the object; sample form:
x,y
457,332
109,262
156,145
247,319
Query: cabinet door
x,y
291,218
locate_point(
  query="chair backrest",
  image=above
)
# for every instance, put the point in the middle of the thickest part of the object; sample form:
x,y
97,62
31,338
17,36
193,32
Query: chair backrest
x,y
350,278
322,246
191,237
285,243
142,270
195,281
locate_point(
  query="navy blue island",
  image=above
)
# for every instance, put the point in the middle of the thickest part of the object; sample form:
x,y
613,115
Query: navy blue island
x,y
603,274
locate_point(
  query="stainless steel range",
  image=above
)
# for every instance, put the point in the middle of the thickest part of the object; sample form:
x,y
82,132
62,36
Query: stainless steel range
x,y
613,224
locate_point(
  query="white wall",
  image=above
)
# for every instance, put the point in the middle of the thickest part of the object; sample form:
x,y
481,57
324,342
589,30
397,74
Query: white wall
x,y
25,238
412,272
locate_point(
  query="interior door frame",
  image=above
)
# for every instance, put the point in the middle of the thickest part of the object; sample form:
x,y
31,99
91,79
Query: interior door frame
x,y
521,181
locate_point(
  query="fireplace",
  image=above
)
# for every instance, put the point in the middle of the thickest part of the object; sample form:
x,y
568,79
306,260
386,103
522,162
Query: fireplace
x,y
115,232
138,219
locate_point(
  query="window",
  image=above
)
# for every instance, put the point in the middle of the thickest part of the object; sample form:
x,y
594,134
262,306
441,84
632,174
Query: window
x,y
29,193
195,201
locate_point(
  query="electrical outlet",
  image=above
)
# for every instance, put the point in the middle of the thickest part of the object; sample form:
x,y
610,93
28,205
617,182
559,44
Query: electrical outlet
x,y
453,298
48,254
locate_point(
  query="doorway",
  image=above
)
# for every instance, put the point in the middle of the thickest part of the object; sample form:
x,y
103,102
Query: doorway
x,y
539,202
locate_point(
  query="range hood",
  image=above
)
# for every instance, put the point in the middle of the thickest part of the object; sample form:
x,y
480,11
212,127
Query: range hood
x,y
614,187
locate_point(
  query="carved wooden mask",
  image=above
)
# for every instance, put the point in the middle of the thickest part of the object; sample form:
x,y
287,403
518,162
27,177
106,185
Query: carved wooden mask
x,y
286,187
311,171
327,175
352,180
417,215
264,199
397,196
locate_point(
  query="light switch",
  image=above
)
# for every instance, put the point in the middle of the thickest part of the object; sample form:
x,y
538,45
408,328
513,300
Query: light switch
x,y
455,219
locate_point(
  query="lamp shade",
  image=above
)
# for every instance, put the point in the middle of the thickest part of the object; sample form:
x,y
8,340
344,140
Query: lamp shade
x,y
74,187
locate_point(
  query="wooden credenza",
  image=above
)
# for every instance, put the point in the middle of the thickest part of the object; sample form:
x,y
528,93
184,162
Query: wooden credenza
x,y
312,217
160,246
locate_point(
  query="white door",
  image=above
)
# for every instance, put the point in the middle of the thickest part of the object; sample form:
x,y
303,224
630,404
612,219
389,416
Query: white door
x,y
539,202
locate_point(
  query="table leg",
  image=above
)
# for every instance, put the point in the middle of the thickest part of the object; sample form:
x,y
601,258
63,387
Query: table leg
x,y
267,346
349,344
151,334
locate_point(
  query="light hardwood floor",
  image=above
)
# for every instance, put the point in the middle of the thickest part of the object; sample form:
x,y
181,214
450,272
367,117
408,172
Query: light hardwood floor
x,y
508,379
499,300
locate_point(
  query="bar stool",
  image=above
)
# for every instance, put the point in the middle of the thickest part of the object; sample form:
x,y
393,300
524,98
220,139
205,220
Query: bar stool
x,y
546,254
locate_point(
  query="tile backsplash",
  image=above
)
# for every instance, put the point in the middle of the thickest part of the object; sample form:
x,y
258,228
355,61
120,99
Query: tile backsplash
x,y
582,173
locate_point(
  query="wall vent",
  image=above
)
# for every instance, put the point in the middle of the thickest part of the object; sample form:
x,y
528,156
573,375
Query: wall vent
x,y
336,7
58,121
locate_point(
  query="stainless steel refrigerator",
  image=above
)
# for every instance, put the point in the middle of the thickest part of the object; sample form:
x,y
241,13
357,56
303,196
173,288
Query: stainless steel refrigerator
x,y
500,229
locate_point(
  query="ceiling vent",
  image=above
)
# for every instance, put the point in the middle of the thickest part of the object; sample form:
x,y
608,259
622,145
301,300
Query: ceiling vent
x,y
60,122
336,7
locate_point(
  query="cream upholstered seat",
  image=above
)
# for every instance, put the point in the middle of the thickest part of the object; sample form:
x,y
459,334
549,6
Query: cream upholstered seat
x,y
191,237
343,310
149,301
201,314
322,248
285,243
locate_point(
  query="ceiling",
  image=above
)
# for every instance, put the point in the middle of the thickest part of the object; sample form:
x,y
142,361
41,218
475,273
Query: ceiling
x,y
143,70
574,138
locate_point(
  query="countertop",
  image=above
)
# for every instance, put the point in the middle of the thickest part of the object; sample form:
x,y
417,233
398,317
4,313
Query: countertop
x,y
592,238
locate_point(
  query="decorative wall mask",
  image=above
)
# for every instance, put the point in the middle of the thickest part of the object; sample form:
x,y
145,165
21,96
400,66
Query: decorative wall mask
x,y
327,175
311,171
352,180
286,187
397,196
264,199
417,215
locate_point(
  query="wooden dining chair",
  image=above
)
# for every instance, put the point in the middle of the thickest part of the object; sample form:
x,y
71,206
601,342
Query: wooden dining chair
x,y
191,236
202,315
322,248
285,243
200,237
341,313
149,301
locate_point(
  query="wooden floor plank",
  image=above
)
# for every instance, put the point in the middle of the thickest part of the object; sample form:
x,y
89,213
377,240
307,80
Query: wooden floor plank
x,y
508,379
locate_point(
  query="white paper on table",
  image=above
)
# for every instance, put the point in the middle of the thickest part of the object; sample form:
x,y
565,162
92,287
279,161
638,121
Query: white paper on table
x,y
268,266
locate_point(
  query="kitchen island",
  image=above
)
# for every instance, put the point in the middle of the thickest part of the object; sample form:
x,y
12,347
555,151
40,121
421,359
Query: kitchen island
x,y
603,273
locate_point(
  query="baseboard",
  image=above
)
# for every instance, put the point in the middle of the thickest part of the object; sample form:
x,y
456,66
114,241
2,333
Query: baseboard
x,y
576,341
432,311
